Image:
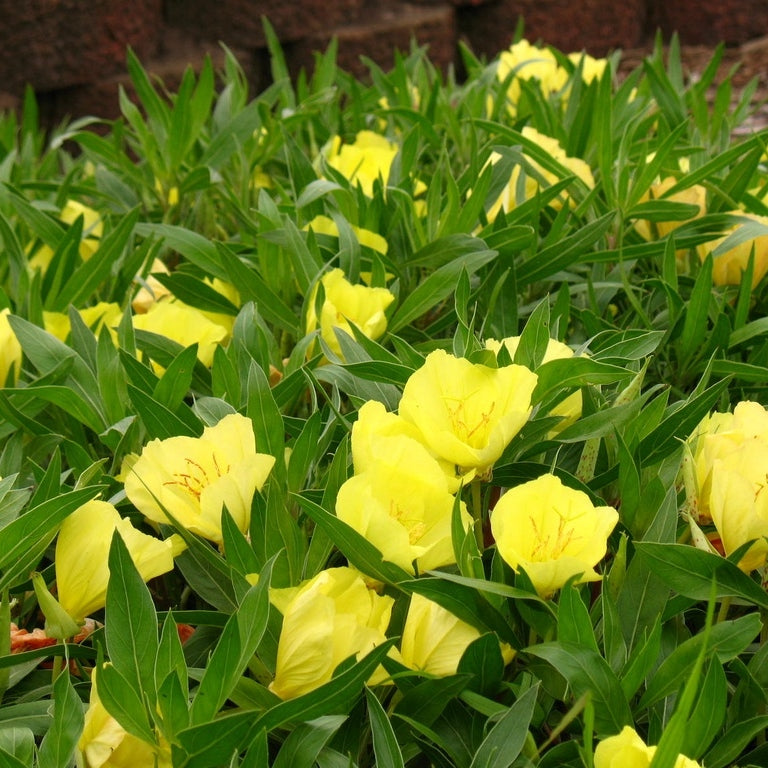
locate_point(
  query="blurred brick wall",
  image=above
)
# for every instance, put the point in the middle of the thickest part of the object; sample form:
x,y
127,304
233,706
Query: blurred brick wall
x,y
72,51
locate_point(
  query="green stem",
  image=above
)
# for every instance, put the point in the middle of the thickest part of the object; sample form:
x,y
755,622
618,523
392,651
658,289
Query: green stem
x,y
477,513
723,612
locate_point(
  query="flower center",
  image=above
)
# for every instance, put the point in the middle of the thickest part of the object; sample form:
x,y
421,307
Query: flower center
x,y
549,546
195,478
461,423
416,528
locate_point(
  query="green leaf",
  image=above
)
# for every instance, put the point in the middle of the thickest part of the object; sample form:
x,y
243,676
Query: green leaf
x,y
588,673
58,746
159,420
690,571
386,750
482,660
436,287
124,703
574,625
505,740
236,647
305,742
695,325
130,624
575,372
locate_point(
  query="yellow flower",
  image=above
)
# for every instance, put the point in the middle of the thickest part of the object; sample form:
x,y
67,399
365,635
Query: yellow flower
x,y
434,640
325,225
727,268
508,199
327,619
184,325
725,473
195,477
693,195
569,409
151,290
104,743
92,231
82,550
553,532
364,161
591,68
628,750
401,504
467,413
10,351
102,314
528,62
346,303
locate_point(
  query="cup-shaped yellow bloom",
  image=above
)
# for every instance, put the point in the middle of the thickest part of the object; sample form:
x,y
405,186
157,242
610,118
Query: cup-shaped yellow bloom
x,y
508,199
725,479
434,640
728,267
364,161
104,743
693,195
552,531
402,505
628,750
346,303
185,325
325,225
569,409
82,550
10,350
529,62
195,477
92,231
325,621
104,313
467,413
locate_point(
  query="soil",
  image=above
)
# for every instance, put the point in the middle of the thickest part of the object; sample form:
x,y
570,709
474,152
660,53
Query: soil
x,y
749,59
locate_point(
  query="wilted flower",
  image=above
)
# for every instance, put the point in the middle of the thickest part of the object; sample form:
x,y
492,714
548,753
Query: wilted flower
x,y
195,477
434,640
184,325
725,473
82,551
569,409
508,199
467,413
10,350
628,750
104,743
552,531
728,267
346,303
92,231
402,504
326,620
364,161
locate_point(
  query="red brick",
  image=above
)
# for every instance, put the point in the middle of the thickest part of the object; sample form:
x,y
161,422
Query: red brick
x,y
59,43
596,26
238,22
708,22
386,28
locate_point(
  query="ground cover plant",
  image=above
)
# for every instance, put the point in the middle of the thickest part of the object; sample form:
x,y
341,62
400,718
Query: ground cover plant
x,y
400,422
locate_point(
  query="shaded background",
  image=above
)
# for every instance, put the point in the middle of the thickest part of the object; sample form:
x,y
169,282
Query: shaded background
x,y
72,52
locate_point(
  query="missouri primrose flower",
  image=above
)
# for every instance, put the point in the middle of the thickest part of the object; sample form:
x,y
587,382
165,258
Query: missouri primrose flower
x,y
193,478
434,640
10,351
346,303
628,750
725,478
551,531
92,231
82,550
508,199
104,743
326,620
467,413
363,161
728,267
401,504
